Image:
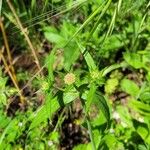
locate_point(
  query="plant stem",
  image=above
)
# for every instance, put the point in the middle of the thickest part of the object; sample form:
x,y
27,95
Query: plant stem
x,y
90,133
8,50
23,30
30,80
22,99
89,125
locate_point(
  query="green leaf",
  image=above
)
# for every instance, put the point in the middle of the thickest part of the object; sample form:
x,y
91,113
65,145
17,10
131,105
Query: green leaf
x,y
88,58
4,121
133,59
50,107
54,38
99,100
144,133
110,142
71,54
3,99
142,130
56,1
110,68
2,83
70,96
6,130
44,112
129,87
83,146
141,107
125,116
112,43
52,35
103,106
98,120
49,64
142,147
145,96
90,97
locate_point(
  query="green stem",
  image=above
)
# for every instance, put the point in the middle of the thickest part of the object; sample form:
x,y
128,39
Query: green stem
x,y
87,119
90,133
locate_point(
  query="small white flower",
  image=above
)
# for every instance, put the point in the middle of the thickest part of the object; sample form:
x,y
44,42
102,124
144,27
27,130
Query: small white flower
x,y
124,124
116,115
111,130
141,119
20,124
50,143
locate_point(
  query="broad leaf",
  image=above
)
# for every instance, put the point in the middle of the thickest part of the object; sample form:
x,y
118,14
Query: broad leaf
x,y
130,87
103,106
133,59
143,130
141,107
70,96
44,112
71,54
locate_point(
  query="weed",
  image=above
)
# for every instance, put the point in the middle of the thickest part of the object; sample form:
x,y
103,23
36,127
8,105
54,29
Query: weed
x,y
74,74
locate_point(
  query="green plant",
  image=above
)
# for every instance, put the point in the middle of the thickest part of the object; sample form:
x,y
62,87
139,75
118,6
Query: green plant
x,y
94,60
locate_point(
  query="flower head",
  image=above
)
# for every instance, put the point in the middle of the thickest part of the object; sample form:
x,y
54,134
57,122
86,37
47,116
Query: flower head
x,y
69,78
95,74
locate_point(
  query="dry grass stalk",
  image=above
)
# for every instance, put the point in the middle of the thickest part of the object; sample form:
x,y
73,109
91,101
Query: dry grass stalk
x,y
22,99
24,31
8,50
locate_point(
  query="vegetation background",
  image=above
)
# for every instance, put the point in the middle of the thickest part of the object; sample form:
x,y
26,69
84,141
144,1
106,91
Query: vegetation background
x,y
74,74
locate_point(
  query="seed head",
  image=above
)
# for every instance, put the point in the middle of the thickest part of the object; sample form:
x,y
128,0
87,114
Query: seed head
x,y
94,74
69,78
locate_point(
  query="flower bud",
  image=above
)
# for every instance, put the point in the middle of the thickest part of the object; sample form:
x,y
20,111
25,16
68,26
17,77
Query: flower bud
x,y
69,78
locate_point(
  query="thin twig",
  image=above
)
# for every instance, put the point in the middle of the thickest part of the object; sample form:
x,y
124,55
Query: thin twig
x,y
23,30
7,49
31,79
22,99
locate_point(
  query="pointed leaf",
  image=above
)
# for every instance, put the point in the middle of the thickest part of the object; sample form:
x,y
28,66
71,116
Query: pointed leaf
x,y
103,106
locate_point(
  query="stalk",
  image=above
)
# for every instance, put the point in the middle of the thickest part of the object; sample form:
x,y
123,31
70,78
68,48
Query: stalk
x,y
22,99
8,50
24,31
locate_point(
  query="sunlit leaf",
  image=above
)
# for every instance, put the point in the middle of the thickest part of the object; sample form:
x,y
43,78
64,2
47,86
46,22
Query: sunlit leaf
x,y
129,87
133,59
90,97
142,130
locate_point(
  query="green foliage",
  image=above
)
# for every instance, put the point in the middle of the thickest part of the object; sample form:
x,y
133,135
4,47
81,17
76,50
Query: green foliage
x,y
134,60
105,46
129,87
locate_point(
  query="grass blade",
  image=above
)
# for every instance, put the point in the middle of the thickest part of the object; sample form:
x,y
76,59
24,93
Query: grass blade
x,y
89,19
